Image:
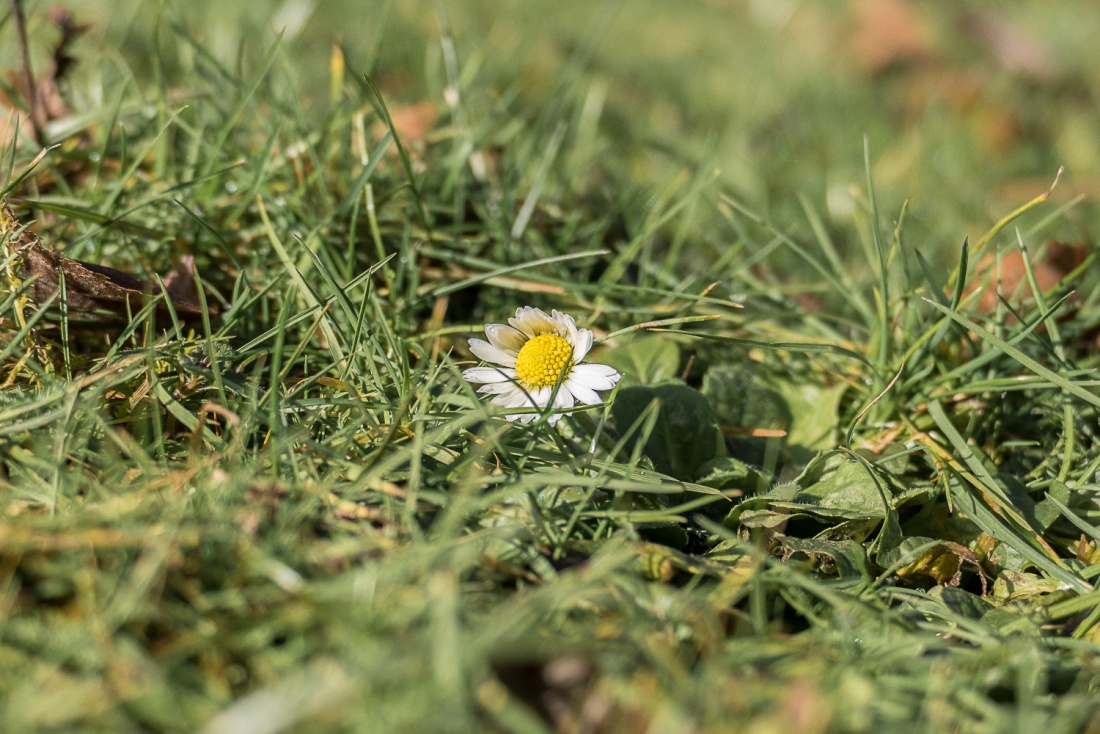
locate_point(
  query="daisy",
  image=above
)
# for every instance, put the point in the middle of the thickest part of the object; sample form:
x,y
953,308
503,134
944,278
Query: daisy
x,y
541,364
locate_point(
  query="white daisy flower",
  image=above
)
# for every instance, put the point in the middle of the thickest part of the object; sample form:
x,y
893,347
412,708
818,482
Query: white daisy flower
x,y
541,361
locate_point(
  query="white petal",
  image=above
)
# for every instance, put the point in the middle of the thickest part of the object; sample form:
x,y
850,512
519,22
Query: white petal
x,y
512,399
566,325
563,318
532,321
573,335
517,399
595,376
564,398
497,388
519,321
505,337
583,394
581,344
485,351
488,374
542,395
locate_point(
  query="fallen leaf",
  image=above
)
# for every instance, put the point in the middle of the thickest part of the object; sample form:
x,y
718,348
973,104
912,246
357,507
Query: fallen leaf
x,y
943,564
887,32
412,122
1008,273
90,289
1013,586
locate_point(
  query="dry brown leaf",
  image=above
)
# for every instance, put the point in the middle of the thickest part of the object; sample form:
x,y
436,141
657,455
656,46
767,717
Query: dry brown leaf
x,y
1009,273
90,289
412,122
888,32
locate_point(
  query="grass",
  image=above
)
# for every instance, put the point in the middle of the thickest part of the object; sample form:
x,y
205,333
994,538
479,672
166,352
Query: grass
x,y
864,500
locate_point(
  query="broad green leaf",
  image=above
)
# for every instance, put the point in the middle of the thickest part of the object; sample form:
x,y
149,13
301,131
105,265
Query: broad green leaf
x,y
815,409
646,359
1058,497
758,518
845,557
836,482
962,603
685,434
729,473
741,401
667,534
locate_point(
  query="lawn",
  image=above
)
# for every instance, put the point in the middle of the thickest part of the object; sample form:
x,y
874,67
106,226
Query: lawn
x,y
828,466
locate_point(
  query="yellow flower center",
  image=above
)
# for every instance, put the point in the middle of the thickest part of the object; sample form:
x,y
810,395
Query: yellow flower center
x,y
542,360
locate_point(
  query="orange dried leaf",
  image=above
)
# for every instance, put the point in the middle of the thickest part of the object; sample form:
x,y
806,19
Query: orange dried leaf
x,y
888,32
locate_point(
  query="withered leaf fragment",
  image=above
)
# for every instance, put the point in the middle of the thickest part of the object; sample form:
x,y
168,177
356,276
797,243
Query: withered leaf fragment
x,y
96,292
40,96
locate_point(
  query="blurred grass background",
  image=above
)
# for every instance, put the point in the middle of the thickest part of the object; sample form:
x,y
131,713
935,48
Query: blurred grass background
x,y
969,109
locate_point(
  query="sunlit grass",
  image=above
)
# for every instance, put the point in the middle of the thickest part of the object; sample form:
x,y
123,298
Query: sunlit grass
x,y
863,499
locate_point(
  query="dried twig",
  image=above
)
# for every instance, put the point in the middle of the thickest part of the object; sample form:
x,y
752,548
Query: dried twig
x,y
33,98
